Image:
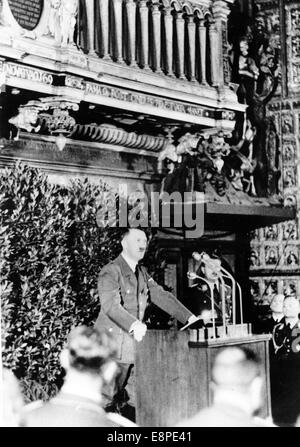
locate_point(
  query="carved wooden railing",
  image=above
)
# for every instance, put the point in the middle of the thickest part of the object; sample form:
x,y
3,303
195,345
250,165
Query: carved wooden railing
x,y
172,38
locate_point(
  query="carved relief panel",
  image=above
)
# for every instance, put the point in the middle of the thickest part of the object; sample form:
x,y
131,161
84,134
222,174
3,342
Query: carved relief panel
x,y
293,45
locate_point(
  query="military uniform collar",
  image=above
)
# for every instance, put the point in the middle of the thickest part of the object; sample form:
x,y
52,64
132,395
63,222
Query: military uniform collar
x,y
132,264
124,266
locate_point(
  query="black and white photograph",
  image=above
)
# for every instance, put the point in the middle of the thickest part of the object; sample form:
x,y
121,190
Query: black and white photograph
x,y
149,216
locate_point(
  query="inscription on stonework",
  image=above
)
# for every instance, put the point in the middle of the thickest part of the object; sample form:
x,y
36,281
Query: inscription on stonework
x,y
141,99
28,73
27,12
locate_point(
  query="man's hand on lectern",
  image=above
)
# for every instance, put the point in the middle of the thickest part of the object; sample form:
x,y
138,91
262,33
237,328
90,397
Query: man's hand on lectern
x,y
138,330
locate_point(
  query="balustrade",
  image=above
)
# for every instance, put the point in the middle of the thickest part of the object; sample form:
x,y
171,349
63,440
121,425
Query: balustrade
x,y
171,38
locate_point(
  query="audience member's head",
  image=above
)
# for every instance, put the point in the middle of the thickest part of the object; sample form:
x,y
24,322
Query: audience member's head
x,y
276,304
11,399
291,307
88,360
236,379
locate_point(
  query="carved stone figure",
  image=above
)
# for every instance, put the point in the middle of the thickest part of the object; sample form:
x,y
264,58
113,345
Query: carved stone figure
x,y
53,20
271,256
271,232
287,125
288,153
289,178
27,118
254,258
67,13
292,259
257,73
289,231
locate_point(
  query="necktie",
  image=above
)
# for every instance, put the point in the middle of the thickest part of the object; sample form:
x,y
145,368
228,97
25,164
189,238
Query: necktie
x,y
136,272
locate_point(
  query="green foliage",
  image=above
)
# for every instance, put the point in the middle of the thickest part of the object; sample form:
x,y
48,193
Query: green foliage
x,y
51,253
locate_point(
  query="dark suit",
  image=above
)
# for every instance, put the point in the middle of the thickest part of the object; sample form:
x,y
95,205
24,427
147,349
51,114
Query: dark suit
x,y
124,300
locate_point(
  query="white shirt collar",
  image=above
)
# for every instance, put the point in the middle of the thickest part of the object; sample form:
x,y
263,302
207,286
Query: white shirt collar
x,y
132,264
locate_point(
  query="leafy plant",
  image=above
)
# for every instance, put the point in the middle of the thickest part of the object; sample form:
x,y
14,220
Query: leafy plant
x,y
51,253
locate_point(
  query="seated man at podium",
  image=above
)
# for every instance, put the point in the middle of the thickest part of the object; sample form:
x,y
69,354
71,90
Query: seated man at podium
x,y
125,290
206,292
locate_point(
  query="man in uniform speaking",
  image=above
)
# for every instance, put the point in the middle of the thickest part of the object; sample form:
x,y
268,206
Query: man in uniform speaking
x,y
125,289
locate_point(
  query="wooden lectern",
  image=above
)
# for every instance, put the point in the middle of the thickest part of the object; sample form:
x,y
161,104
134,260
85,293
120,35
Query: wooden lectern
x,y
173,374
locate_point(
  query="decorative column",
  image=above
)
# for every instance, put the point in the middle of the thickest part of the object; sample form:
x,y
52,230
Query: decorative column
x,y
168,24
214,52
220,12
90,13
192,44
131,10
156,37
118,29
104,22
180,43
202,49
143,10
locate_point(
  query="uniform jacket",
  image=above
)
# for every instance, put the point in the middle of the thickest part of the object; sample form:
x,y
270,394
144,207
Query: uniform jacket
x,y
124,299
223,415
67,410
199,298
286,340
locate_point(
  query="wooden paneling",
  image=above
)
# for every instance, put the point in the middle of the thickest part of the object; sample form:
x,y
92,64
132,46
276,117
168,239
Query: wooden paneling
x,y
173,375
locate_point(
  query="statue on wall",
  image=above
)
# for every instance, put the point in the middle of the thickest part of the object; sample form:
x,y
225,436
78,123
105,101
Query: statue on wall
x,y
257,73
53,19
208,164
27,118
68,12
62,20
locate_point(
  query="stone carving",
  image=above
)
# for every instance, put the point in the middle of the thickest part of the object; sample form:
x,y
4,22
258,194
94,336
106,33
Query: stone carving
x,y
289,178
254,289
271,255
291,257
271,232
290,200
27,118
295,19
207,163
59,122
293,46
148,100
108,133
289,153
257,72
62,20
272,157
287,124
254,258
290,287
290,231
31,74
53,19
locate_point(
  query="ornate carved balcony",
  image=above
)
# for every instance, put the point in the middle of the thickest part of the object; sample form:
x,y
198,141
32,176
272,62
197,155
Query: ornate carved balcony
x,y
162,58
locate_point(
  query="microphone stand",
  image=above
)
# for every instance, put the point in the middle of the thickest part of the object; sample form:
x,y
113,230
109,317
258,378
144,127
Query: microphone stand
x,y
234,285
222,290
